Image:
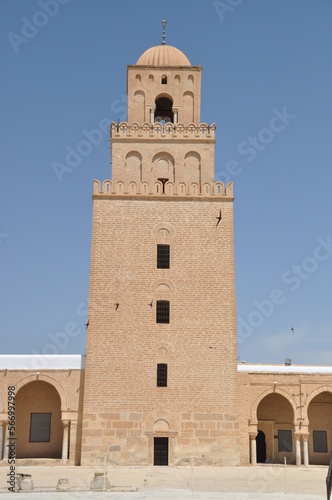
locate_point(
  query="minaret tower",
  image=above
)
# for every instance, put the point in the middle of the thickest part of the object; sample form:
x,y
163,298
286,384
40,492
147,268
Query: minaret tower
x,y
161,373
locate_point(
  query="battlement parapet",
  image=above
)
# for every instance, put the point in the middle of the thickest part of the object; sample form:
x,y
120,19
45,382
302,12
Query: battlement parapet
x,y
169,189
125,130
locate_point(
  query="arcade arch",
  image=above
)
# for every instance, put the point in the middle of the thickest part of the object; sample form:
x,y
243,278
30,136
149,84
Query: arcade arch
x,y
275,418
39,428
320,428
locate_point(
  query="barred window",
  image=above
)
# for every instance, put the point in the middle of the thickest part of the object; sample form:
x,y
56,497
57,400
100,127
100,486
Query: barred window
x,y
320,441
285,440
161,375
40,427
162,315
163,256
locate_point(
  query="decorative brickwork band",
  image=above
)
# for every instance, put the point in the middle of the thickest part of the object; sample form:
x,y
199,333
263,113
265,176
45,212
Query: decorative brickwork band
x,y
171,131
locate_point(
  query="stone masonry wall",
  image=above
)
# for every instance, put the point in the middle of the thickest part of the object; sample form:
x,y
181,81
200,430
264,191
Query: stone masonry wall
x,y
123,407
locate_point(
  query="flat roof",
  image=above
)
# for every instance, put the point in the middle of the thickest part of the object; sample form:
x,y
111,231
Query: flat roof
x,y
257,368
77,362
42,361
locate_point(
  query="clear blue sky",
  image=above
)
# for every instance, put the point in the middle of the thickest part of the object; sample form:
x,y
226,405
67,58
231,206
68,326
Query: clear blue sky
x,y
261,59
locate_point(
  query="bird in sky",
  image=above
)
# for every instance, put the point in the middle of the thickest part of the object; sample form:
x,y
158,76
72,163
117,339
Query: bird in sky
x,y
219,217
292,329
116,305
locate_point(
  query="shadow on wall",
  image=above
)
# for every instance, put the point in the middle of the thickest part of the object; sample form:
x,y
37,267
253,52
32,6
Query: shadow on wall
x,y
39,428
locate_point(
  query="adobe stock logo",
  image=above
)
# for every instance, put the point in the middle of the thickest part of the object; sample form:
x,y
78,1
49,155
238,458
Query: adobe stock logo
x,y
254,144
40,19
59,341
92,138
293,278
3,236
224,7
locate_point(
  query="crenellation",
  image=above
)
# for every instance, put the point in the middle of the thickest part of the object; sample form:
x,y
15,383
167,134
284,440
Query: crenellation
x,y
169,189
162,192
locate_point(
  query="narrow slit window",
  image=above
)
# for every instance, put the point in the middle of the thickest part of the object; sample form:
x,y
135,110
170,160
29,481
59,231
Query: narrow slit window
x,y
162,375
40,427
163,252
162,311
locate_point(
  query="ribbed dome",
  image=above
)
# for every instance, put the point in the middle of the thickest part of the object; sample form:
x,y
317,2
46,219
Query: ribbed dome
x,y
163,55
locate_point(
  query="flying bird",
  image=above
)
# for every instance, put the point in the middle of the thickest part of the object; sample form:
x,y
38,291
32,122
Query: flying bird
x,y
87,324
292,329
219,217
116,305
151,303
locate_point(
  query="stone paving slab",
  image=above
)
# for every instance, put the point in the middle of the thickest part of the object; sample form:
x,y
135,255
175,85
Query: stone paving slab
x,y
163,495
236,483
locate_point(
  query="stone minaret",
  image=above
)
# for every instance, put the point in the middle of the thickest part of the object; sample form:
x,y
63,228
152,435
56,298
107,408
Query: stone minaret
x,y
161,379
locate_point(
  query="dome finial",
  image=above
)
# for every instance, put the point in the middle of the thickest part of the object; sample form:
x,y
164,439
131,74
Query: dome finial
x,y
163,22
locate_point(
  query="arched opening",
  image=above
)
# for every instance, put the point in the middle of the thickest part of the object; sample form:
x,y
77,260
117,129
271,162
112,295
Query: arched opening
x,y
275,418
139,106
161,427
320,428
192,167
164,80
261,447
188,107
163,167
39,427
133,167
163,236
164,109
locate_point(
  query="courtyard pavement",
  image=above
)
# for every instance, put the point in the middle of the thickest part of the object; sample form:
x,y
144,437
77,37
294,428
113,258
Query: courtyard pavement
x,y
167,483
